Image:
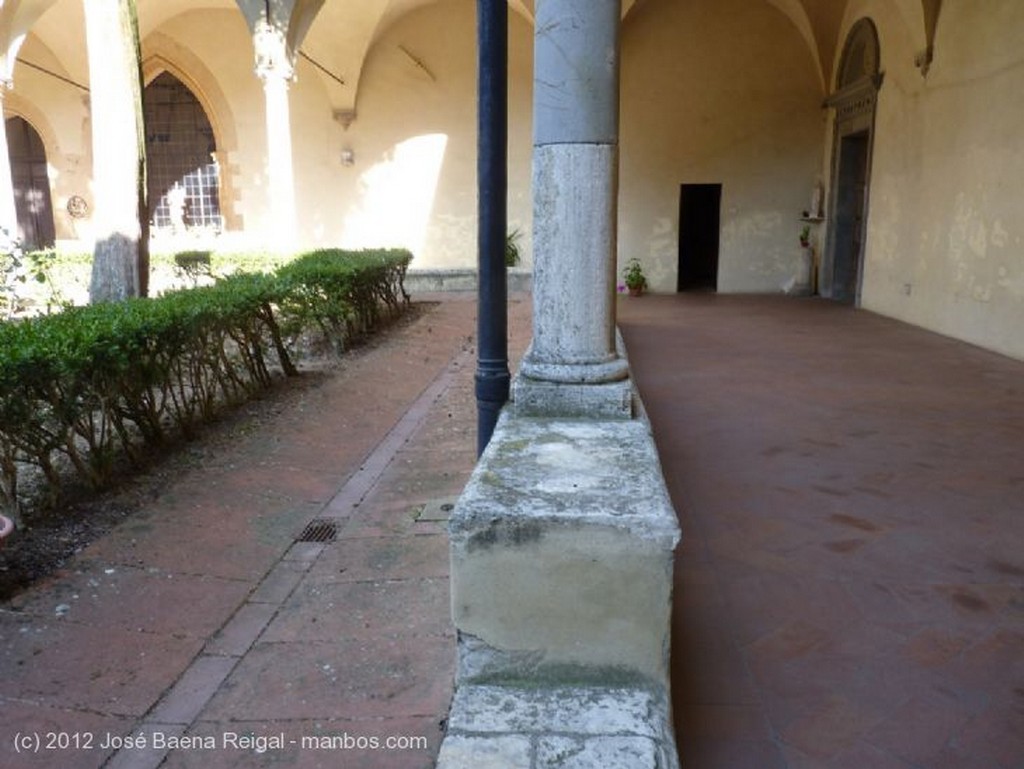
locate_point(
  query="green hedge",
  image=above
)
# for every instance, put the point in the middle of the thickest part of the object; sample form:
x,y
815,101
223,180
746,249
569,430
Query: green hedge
x,y
93,384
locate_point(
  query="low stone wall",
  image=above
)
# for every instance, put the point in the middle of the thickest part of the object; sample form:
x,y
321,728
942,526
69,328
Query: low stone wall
x,y
433,281
561,577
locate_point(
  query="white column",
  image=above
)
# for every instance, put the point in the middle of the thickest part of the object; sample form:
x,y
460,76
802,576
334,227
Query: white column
x,y
274,68
120,260
8,213
575,193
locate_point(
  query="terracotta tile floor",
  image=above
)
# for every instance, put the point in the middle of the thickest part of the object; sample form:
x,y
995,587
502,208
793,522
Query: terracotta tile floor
x,y
850,588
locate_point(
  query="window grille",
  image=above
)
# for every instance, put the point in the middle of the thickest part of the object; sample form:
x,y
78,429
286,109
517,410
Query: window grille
x,y
180,155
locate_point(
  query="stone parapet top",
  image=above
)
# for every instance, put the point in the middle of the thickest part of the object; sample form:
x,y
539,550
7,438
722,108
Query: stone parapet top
x,y
554,470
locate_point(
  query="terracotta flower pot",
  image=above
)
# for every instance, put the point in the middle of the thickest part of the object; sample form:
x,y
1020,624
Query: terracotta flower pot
x,y
636,290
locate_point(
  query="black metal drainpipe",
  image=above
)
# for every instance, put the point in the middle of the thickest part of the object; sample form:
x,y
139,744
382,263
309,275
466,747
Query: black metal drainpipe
x,y
492,374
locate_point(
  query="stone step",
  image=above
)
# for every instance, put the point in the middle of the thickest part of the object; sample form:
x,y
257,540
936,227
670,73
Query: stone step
x,y
569,727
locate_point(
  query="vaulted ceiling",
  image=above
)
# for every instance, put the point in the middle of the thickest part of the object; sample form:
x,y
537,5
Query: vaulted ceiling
x,y
338,34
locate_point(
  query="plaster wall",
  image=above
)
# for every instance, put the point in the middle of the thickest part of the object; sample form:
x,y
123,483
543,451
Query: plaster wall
x,y
726,93
945,239
413,182
59,112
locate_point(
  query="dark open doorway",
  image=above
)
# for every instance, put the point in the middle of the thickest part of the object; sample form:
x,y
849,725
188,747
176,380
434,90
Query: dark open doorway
x,y
851,200
699,206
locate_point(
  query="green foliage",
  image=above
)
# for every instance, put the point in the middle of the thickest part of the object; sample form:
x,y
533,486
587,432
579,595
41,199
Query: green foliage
x,y
512,256
633,275
94,384
193,265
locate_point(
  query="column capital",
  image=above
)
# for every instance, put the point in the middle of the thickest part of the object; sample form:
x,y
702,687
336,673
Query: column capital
x,y
273,59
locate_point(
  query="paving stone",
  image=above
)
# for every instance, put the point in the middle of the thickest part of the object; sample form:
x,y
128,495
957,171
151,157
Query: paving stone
x,y
107,670
100,594
193,690
320,744
378,558
29,719
282,580
372,677
507,752
326,610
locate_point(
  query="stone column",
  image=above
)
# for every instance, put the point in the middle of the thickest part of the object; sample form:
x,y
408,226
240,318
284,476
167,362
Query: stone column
x,y
120,255
575,183
274,67
8,212
562,541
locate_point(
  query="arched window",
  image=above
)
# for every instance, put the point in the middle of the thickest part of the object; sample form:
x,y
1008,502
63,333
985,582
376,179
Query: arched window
x,y
182,171
860,55
858,78
31,185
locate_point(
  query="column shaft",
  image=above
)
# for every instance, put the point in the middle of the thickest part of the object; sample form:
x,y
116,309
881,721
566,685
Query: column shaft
x,y
274,66
575,178
280,174
120,258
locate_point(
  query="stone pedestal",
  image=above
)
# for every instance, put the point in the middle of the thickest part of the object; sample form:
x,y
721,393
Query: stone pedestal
x,y
561,577
561,550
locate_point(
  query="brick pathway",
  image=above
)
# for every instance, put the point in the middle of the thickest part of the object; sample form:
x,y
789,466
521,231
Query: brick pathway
x,y
203,620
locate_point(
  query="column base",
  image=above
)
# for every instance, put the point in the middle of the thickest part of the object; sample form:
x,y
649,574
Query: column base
x,y
541,398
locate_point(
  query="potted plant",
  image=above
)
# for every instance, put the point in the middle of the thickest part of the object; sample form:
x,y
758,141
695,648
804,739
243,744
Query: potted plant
x,y
633,275
805,236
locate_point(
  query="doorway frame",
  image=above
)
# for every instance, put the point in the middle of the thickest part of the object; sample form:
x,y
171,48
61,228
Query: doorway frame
x,y
682,282
855,101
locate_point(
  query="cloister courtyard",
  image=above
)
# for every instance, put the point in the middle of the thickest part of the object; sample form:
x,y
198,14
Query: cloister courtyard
x,y
848,589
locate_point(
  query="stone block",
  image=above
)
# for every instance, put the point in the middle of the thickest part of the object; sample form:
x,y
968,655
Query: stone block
x,y
509,752
532,397
561,555
568,727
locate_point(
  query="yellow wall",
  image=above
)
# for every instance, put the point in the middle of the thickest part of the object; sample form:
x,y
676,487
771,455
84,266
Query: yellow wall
x,y
725,92
946,219
414,178
59,112
721,92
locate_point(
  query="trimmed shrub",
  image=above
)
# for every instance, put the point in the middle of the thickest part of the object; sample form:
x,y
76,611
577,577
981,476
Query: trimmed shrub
x,y
93,384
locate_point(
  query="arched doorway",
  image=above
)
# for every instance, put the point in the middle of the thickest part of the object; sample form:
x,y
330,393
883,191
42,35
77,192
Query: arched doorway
x,y
854,100
31,185
183,175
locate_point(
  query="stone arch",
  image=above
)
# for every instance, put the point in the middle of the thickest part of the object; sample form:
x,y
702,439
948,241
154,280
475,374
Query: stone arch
x,y
163,54
861,56
31,183
16,105
855,98
183,172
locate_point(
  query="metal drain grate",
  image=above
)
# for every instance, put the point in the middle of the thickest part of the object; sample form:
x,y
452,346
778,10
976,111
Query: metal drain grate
x,y
319,530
